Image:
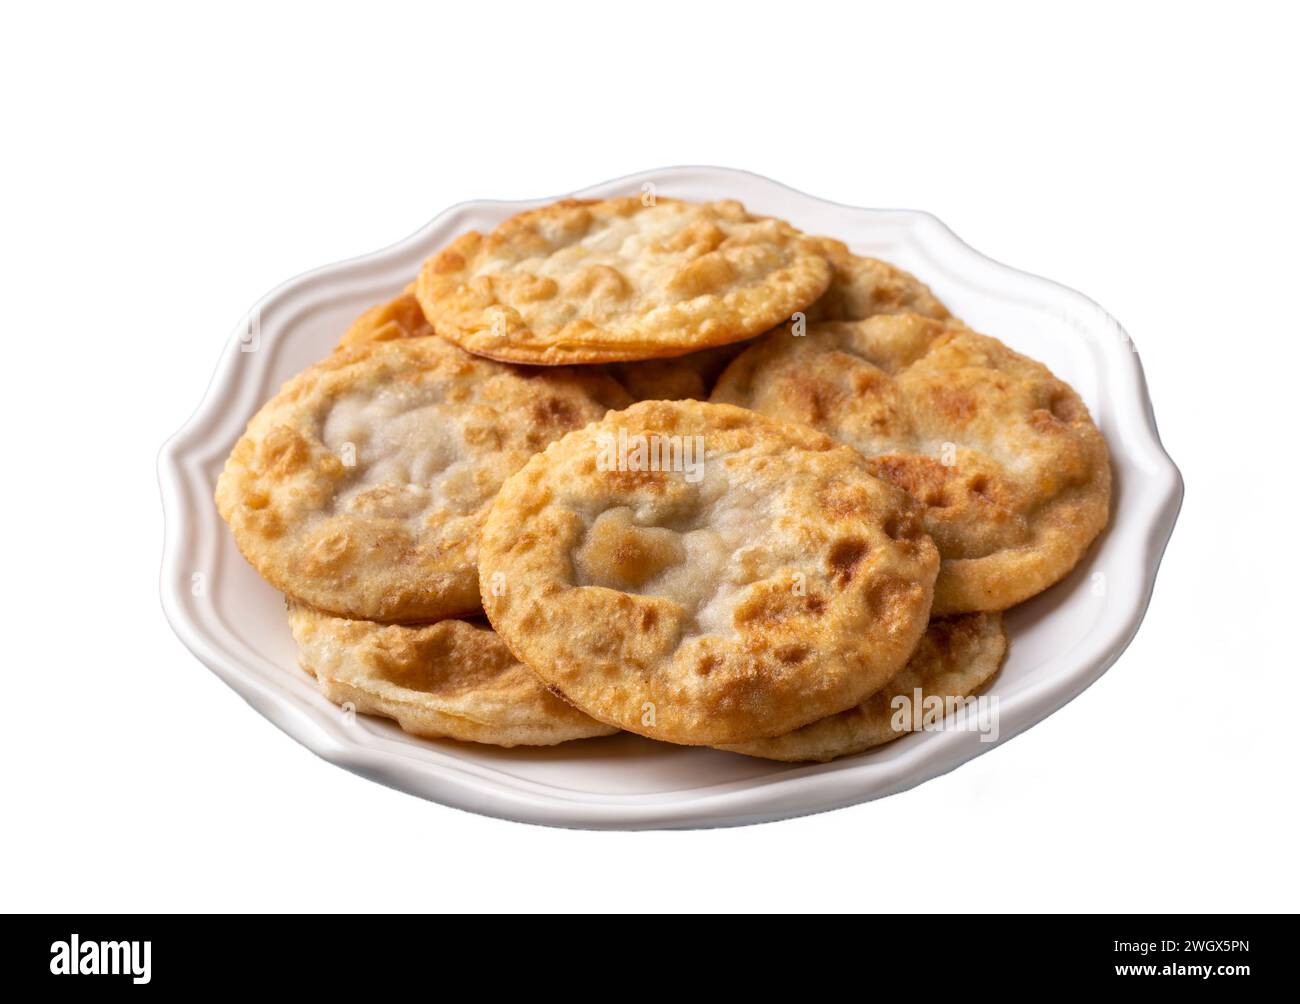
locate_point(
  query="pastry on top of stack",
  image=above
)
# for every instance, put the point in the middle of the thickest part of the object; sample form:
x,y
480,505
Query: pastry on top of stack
x,y
782,584
602,281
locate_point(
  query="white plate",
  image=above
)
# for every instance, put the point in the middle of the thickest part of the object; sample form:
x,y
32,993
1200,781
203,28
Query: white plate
x,y
1061,641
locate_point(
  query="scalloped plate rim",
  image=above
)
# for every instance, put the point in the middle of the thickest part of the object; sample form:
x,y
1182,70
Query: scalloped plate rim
x,y
1154,506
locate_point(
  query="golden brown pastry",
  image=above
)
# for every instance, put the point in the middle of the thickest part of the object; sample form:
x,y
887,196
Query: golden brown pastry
x,y
1012,472
699,574
360,488
585,281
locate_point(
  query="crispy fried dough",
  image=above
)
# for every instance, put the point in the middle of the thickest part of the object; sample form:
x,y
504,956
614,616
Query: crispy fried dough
x,y
682,378
774,584
583,281
360,488
1013,474
452,679
398,318
864,287
954,659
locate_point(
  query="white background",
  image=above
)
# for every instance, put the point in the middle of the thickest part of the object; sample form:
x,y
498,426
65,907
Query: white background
x,y
162,170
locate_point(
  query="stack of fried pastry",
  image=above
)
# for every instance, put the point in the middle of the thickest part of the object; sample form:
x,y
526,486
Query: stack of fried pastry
x,y
663,467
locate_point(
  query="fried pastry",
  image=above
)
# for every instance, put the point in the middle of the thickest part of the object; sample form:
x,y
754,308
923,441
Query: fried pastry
x,y
1012,472
398,318
594,281
681,378
860,288
360,488
452,679
700,574
955,658
864,287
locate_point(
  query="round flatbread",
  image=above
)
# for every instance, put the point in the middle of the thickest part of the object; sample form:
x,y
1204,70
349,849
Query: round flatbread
x,y
1013,474
584,281
864,287
360,488
702,575
398,318
955,658
452,679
